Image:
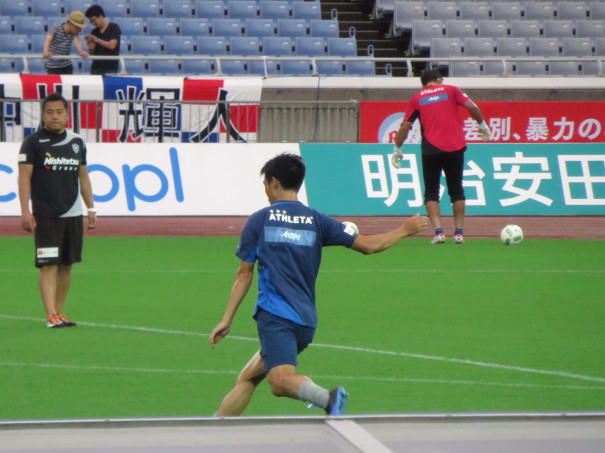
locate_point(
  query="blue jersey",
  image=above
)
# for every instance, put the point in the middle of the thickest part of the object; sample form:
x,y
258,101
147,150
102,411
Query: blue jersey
x,y
287,239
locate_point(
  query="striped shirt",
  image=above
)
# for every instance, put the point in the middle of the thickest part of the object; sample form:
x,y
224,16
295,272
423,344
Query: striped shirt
x,y
60,45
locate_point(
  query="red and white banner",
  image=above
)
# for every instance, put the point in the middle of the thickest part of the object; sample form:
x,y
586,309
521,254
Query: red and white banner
x,y
510,122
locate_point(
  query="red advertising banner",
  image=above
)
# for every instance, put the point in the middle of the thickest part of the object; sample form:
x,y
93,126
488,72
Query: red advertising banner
x,y
510,122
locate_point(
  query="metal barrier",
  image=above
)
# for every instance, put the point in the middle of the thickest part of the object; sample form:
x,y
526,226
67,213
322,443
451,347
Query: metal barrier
x,y
175,121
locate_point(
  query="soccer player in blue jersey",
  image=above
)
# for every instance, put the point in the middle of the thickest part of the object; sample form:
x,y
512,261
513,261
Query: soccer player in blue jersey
x,y
286,238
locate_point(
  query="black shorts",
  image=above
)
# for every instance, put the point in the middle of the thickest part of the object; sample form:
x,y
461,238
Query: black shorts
x,y
58,241
452,164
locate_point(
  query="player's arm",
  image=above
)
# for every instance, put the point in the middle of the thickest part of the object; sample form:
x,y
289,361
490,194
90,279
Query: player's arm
x,y
402,133
241,285
86,192
25,185
475,112
375,243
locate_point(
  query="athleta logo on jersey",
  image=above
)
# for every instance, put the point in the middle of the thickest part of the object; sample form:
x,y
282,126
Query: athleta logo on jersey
x,y
282,216
61,163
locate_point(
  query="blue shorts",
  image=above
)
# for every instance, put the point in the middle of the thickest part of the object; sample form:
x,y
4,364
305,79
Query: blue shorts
x,y
281,340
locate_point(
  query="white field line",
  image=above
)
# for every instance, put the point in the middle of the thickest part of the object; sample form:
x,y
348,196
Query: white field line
x,y
324,271
562,374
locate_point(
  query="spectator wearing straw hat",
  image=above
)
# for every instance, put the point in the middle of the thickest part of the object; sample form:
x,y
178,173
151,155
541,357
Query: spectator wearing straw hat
x,y
58,42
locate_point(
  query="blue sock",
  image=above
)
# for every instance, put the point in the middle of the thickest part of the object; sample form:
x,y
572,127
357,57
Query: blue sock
x,y
458,231
438,231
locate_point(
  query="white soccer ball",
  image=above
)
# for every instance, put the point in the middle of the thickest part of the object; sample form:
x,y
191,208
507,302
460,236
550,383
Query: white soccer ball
x,y
351,228
511,234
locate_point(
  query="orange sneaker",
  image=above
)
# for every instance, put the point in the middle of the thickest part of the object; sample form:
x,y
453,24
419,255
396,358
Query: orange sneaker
x,y
66,323
53,322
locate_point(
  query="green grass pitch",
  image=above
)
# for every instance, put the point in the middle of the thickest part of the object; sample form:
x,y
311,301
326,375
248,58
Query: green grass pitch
x,y
418,328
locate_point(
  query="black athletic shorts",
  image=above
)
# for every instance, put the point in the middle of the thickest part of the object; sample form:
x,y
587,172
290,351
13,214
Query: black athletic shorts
x,y
59,240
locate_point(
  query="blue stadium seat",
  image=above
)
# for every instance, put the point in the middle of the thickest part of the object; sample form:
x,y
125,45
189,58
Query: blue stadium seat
x,y
291,27
178,9
360,68
296,68
323,28
179,45
6,66
342,47
37,66
233,67
76,5
125,44
331,68
163,67
135,67
242,9
404,16
211,45
274,9
575,10
146,45
14,7
209,9
6,25
161,26
277,46
37,43
309,47
194,26
244,46
257,67
132,26
197,67
306,10
115,9
227,28
47,8
145,8
16,44
30,25
259,27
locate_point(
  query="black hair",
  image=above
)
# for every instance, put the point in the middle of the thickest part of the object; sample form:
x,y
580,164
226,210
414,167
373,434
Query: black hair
x,y
430,75
94,10
54,97
289,169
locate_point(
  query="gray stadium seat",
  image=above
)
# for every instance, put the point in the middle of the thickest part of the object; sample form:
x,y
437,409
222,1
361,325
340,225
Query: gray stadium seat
x,y
444,48
541,11
564,68
479,47
404,16
135,67
575,10
531,68
506,10
423,31
441,10
497,68
474,11
492,29
597,10
37,66
600,46
525,28
544,47
590,28
558,29
577,47
465,69
460,28
383,8
37,43
511,47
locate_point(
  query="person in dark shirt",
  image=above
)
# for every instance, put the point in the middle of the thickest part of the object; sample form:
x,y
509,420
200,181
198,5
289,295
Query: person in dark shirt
x,y
103,40
54,172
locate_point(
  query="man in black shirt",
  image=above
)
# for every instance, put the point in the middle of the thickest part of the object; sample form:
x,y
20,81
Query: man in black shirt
x,y
103,40
54,172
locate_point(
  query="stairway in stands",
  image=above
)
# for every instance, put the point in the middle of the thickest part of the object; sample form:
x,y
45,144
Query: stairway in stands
x,y
358,14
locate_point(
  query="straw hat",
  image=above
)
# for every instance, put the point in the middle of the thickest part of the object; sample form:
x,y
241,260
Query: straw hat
x,y
77,18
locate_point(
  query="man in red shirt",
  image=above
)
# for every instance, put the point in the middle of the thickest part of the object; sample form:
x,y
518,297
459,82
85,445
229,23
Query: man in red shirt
x,y
443,145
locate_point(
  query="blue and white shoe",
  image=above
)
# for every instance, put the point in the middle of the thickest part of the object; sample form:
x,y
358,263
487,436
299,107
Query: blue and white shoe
x,y
338,401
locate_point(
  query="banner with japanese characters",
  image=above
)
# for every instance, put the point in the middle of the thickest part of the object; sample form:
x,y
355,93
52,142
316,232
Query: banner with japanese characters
x,y
510,122
137,109
499,179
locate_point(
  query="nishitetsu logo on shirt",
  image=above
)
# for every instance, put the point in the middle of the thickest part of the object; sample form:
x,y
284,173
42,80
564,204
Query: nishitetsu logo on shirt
x,y
61,163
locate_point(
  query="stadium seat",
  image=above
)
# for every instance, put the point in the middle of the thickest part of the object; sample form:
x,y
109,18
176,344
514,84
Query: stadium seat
x,y
361,68
161,26
564,68
227,28
47,8
37,66
125,44
178,9
233,67
504,10
145,8
590,28
211,45
423,31
259,27
383,8
135,67
309,47
544,47
247,46
209,9
558,29
512,47
242,9
146,45
575,10
306,10
257,67
323,28
194,26
465,69
197,67
77,5
277,46
115,9
14,7
475,11
525,28
404,16
132,26
600,46
597,10
531,68
460,28
291,27
497,68
6,25
179,45
163,67
18,43
30,25
329,68
37,43
492,29
479,47
274,9
445,48
577,47
6,66
297,68
441,10
541,11
342,47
